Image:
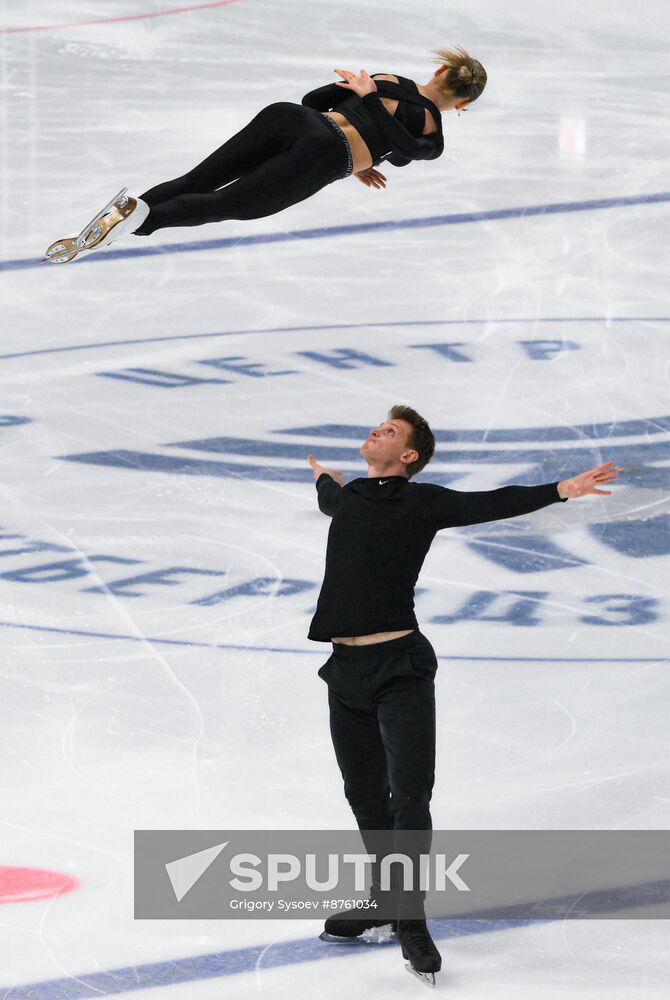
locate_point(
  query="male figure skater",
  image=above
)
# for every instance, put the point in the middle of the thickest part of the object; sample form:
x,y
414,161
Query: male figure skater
x,y
380,675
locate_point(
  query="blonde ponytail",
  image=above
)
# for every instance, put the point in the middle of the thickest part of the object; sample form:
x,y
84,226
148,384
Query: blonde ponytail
x,y
461,75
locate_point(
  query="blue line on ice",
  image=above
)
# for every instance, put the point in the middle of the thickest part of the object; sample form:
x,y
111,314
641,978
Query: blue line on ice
x,y
337,326
454,219
319,648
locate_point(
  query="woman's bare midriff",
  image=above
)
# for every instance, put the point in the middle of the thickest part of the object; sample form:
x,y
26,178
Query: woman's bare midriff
x,y
367,640
360,154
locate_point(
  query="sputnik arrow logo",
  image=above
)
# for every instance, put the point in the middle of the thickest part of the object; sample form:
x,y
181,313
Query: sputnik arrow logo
x,y
185,872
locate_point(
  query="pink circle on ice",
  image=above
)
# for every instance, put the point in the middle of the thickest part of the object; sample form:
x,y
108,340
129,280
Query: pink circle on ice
x,y
23,885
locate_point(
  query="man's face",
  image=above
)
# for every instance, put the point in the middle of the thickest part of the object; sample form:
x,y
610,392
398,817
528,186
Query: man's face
x,y
387,443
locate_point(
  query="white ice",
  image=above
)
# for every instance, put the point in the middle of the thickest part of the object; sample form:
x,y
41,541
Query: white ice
x,y
556,718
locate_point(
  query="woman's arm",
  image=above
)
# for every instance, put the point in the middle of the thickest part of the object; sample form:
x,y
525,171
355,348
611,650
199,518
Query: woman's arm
x,y
324,98
402,142
396,160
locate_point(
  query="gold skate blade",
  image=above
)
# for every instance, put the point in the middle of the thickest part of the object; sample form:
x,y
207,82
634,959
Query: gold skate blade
x,y
70,250
92,236
118,201
105,226
61,252
65,250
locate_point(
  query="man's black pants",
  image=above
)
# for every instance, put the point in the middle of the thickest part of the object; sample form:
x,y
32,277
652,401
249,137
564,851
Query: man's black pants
x,y
382,722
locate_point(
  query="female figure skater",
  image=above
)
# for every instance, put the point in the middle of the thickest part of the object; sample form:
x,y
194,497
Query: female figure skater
x,y
288,152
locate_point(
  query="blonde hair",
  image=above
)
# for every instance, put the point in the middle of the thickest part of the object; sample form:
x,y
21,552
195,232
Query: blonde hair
x,y
464,76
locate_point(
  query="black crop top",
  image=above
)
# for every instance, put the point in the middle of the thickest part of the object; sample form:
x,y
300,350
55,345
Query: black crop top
x,y
397,138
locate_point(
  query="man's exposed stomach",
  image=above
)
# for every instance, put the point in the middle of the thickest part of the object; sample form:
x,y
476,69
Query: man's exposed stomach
x,y
367,640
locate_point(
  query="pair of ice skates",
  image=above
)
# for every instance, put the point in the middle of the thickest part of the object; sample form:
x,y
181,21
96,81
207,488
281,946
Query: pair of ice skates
x,y
121,215
418,948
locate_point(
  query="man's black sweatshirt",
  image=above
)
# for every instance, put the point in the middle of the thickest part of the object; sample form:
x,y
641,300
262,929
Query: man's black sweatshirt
x,y
379,536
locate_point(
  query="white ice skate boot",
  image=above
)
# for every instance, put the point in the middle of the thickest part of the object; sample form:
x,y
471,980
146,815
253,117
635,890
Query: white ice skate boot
x,y
121,215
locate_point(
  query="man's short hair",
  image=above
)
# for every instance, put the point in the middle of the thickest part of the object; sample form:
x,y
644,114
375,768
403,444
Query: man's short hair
x,y
421,439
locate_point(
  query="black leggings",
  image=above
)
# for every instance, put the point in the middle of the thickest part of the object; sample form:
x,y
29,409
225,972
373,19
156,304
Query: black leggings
x,y
285,154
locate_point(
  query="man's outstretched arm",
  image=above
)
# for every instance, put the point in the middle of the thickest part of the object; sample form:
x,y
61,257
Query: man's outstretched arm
x,y
329,482
586,482
453,508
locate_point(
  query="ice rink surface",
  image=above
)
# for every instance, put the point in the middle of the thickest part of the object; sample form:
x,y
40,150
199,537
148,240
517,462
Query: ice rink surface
x,y
161,547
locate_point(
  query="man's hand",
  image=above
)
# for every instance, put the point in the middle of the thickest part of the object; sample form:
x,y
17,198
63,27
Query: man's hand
x,y
371,177
318,469
361,84
585,483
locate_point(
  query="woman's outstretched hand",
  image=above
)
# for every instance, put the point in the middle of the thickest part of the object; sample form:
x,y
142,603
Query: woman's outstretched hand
x,y
371,178
361,84
320,469
586,482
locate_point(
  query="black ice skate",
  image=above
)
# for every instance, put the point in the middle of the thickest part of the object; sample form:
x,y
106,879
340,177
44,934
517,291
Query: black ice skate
x,y
418,947
117,217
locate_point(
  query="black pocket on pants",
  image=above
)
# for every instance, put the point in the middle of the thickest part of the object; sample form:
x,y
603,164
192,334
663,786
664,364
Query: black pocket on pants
x,y
423,660
326,671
